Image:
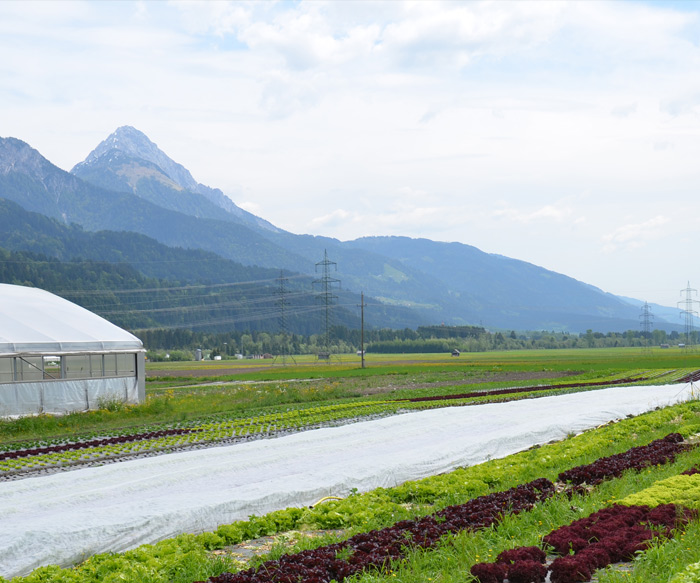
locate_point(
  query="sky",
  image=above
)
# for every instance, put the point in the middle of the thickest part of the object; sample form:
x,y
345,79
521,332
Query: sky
x,y
564,134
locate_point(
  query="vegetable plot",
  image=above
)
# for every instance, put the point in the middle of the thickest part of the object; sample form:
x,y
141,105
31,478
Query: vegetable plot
x,y
206,433
610,535
173,559
377,549
24,459
656,453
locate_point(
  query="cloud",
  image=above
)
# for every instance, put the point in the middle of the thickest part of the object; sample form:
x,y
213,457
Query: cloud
x,y
404,218
455,35
334,219
369,118
680,106
662,145
550,212
624,110
634,236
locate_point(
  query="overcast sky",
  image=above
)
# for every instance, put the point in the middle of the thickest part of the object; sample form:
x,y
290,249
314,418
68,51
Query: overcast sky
x,y
565,134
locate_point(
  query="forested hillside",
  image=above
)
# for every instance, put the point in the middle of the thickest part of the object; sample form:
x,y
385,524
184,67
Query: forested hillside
x,y
133,301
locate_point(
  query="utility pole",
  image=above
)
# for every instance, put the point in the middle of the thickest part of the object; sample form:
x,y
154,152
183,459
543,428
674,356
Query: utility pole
x,y
362,328
688,313
326,296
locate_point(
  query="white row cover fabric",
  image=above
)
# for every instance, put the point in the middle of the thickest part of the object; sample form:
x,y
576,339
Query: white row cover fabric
x,y
66,517
66,395
38,322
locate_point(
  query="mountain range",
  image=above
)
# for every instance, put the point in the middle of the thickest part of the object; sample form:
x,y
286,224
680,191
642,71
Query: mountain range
x,y
152,206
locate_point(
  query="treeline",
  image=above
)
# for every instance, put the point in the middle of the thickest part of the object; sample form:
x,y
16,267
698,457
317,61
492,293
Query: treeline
x,y
181,344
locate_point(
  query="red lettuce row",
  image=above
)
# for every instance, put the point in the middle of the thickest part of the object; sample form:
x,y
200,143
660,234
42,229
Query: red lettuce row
x,y
9,455
608,536
658,452
378,548
690,378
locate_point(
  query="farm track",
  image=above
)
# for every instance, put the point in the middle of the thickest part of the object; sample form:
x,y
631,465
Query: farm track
x,y
493,392
692,377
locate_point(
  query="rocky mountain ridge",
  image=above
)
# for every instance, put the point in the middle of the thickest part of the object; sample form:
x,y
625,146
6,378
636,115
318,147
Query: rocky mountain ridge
x,y
127,144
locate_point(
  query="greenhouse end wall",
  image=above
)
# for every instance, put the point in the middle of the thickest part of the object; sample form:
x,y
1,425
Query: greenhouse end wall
x,y
36,384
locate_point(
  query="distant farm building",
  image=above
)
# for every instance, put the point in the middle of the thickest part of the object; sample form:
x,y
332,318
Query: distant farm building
x,y
56,357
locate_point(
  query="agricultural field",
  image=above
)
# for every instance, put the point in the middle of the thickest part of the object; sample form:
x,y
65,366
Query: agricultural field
x,y
638,473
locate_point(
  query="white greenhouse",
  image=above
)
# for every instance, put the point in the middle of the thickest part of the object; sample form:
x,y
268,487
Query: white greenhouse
x,y
56,357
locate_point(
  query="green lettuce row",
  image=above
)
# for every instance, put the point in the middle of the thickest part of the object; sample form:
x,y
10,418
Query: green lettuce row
x,y
683,490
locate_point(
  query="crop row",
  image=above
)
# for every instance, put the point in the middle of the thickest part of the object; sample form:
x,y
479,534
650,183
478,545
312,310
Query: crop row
x,y
307,415
611,535
295,417
377,549
202,433
20,453
658,452
682,489
205,433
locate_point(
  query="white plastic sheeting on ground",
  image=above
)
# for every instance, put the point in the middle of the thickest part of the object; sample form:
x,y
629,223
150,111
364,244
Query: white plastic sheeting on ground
x,y
66,517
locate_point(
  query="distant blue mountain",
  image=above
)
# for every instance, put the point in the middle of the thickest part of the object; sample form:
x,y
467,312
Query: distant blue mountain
x,y
128,184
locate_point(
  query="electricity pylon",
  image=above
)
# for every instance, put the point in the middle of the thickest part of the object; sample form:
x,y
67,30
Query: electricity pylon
x,y
646,317
326,297
687,312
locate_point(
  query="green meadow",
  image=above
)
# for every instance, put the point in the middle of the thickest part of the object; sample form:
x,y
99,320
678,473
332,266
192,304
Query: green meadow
x,y
180,391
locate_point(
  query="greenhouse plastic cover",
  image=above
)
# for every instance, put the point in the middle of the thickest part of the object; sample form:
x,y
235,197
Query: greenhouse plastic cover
x,y
65,517
36,321
57,397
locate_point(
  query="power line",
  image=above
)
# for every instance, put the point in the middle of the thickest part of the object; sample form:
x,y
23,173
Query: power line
x,y
282,318
217,305
248,318
174,288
